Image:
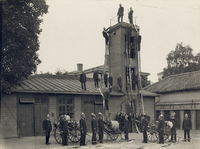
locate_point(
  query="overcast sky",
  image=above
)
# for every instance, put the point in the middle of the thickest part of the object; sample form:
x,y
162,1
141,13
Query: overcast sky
x,y
72,31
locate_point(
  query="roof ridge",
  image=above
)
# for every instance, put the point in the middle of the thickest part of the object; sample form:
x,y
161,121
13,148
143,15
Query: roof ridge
x,y
183,73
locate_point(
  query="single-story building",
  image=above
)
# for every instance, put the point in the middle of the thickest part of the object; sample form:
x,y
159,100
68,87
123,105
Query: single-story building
x,y
179,93
24,109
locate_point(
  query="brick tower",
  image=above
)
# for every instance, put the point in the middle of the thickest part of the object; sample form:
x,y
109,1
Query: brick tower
x,y
124,42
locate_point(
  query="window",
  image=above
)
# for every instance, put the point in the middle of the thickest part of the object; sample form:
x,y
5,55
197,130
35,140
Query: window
x,y
66,106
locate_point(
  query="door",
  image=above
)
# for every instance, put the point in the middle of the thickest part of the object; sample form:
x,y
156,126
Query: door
x,y
167,115
40,114
98,108
198,119
177,118
98,105
26,124
157,114
88,108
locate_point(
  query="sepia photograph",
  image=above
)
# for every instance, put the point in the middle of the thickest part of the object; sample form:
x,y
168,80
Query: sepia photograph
x,y
105,74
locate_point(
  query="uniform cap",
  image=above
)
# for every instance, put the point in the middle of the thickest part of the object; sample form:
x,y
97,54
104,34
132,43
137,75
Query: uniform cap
x,y
82,114
67,117
93,115
100,113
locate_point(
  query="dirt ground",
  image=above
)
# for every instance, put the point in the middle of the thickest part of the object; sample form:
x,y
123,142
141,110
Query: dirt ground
x,y
135,143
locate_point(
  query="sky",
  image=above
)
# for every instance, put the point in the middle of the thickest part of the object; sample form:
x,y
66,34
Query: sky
x,y
72,31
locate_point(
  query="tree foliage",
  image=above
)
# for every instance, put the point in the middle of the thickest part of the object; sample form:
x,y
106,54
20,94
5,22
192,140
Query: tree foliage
x,y
181,60
20,30
145,81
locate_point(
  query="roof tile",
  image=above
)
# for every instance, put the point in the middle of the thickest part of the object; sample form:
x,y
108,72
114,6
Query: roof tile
x,y
178,82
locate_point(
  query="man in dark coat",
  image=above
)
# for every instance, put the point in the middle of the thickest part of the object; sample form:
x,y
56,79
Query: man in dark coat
x,y
126,127
96,78
161,124
130,16
144,127
94,129
121,121
83,80
107,97
105,79
105,35
120,13
64,130
47,128
130,118
101,127
82,129
187,125
119,82
110,80
117,117
173,129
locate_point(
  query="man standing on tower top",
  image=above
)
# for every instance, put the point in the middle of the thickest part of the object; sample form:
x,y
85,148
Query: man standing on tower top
x,y
130,16
120,13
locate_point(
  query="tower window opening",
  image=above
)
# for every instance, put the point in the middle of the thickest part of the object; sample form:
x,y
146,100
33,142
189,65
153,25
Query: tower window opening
x,y
131,79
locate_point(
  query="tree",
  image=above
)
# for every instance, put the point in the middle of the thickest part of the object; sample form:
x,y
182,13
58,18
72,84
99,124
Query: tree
x,y
181,60
20,29
145,81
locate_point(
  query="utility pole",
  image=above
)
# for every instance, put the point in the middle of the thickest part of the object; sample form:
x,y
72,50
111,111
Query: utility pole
x,y
0,56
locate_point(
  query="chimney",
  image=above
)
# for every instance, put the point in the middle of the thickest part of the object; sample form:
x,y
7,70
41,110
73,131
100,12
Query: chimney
x,y
79,67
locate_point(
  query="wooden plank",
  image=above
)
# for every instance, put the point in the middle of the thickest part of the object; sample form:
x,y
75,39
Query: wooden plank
x,y
198,119
26,120
9,116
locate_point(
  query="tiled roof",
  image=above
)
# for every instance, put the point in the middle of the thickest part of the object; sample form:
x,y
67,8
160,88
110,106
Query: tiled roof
x,y
179,82
60,85
57,85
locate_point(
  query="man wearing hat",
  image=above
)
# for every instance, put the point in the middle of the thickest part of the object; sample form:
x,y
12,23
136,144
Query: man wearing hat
x,y
64,130
83,80
130,16
110,81
144,127
96,78
101,127
120,13
82,129
47,128
94,129
186,127
173,129
161,124
126,127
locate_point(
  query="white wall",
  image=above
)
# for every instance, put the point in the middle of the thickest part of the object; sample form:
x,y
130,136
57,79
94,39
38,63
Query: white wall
x,y
184,96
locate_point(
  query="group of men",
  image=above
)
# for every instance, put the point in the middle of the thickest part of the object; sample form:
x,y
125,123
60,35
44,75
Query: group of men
x,y
47,128
124,125
108,81
186,125
96,80
120,14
